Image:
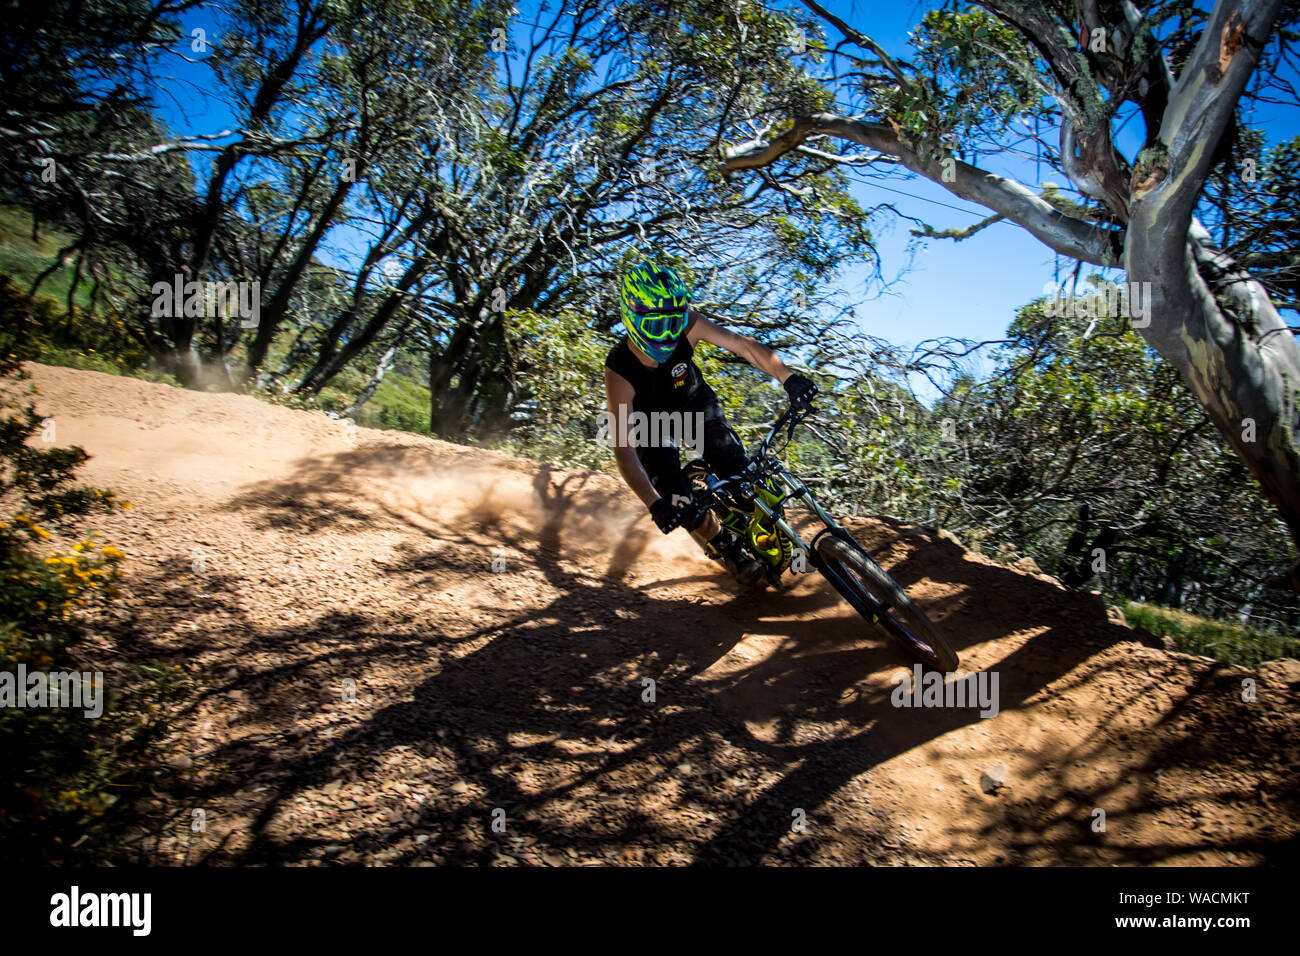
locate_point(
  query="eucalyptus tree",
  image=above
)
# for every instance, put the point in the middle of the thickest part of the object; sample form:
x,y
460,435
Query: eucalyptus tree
x,y
73,84
393,84
72,74
1179,73
339,150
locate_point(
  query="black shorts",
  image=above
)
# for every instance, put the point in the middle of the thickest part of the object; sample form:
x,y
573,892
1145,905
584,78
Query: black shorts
x,y
722,450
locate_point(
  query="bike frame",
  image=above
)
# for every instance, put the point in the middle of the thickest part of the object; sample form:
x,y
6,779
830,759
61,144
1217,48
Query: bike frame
x,y
765,466
766,469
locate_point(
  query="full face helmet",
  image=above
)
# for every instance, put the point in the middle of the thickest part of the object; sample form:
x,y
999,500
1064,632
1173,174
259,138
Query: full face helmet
x,y
653,305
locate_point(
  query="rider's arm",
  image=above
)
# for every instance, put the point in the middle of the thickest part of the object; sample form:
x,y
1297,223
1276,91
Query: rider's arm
x,y
755,353
619,391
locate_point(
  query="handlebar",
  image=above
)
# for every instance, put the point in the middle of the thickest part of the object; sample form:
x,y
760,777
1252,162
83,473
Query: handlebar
x,y
791,418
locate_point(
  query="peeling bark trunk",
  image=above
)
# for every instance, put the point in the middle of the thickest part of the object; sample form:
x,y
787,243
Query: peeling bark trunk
x,y
1210,318
1243,366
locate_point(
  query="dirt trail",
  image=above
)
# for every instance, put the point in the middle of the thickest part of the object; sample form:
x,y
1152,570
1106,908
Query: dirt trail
x,y
277,556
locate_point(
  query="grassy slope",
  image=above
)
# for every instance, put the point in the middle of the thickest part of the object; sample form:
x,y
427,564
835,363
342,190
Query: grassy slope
x,y
1231,643
24,259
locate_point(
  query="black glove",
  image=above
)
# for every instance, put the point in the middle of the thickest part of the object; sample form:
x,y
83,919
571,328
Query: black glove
x,y
800,389
666,515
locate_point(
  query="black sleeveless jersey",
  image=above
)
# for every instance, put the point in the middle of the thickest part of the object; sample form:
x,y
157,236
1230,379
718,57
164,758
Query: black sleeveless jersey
x,y
670,387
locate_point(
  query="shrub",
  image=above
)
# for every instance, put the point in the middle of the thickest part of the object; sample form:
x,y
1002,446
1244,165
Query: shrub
x,y
61,768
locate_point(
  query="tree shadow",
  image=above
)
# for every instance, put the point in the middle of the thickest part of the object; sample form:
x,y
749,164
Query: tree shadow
x,y
613,720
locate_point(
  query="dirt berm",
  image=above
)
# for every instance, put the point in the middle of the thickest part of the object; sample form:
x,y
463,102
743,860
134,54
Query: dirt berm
x,y
502,621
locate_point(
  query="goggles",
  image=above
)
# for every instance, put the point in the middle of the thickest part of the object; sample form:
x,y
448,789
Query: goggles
x,y
661,323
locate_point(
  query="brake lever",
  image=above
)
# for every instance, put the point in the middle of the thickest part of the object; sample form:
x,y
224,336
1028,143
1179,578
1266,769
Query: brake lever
x,y
796,416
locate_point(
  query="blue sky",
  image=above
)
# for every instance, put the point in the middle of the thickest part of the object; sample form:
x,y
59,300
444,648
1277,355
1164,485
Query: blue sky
x,y
969,289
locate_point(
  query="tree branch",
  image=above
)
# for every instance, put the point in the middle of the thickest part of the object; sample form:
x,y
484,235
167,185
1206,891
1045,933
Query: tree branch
x,y
1009,199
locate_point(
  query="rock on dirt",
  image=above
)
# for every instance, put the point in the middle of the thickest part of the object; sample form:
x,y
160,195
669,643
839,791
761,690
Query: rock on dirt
x,y
993,779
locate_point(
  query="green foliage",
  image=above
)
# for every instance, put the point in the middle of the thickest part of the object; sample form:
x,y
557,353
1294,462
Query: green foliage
x,y
92,335
1229,643
400,402
62,770
560,377
1089,453
977,76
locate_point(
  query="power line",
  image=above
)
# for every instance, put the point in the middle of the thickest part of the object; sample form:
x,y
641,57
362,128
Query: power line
x,y
924,199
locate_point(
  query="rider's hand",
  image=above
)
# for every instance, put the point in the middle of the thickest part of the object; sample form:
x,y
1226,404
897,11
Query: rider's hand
x,y
665,514
800,389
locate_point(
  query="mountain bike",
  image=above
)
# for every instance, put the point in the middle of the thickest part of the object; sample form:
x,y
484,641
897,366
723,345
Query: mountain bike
x,y
752,504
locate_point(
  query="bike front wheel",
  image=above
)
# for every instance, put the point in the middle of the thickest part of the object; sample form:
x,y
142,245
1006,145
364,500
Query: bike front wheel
x,y
881,600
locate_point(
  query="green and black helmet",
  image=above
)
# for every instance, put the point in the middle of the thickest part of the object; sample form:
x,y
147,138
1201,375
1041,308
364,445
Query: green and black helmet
x,y
653,305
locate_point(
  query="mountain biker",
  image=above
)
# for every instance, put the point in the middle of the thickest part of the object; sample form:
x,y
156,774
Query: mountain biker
x,y
652,370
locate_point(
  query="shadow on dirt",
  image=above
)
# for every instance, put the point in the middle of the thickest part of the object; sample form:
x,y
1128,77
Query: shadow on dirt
x,y
542,716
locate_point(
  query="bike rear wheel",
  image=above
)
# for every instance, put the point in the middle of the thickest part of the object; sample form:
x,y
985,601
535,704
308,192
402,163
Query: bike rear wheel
x,y
866,585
